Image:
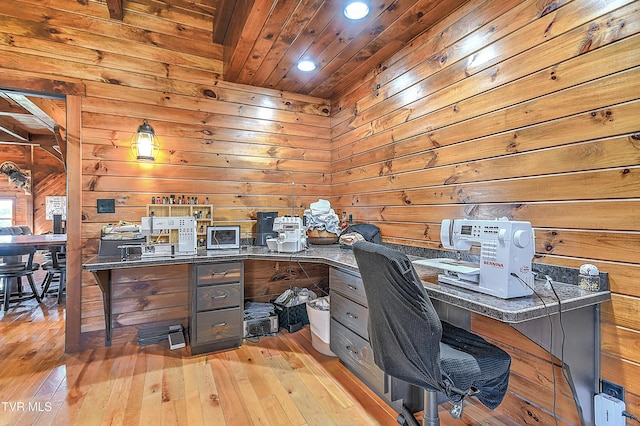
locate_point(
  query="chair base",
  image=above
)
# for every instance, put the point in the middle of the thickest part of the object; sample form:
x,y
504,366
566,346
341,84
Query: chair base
x,y
430,415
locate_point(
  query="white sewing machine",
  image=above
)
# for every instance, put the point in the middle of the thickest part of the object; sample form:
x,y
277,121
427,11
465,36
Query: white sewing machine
x,y
506,250
292,235
186,227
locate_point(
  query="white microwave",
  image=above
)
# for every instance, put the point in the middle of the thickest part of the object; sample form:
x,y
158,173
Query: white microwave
x,y
223,237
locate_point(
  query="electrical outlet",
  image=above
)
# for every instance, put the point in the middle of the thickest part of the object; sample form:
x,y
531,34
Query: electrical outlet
x,y
613,390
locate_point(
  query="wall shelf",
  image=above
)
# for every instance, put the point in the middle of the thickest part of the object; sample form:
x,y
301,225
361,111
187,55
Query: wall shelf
x,y
203,214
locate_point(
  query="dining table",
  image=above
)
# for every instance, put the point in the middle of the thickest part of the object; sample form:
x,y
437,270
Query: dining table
x,y
40,242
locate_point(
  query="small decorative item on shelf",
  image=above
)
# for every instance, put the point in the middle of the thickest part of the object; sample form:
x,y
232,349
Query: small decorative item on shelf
x,y
589,278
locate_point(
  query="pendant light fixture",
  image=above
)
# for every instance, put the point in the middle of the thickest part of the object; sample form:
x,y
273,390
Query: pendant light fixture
x,y
144,143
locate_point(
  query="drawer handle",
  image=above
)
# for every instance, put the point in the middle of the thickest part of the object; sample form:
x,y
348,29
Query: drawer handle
x,y
350,349
352,287
219,324
222,296
350,315
218,273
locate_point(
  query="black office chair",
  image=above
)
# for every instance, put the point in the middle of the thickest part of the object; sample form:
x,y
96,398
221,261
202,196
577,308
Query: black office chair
x,y
13,266
410,342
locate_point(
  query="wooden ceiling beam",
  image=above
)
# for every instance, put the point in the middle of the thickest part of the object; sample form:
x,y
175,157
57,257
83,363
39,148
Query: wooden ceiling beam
x,y
229,24
5,140
44,140
51,109
7,107
12,130
62,144
55,144
116,9
34,109
222,19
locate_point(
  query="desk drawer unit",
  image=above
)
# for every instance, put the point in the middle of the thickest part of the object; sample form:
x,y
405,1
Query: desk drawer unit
x,y
348,285
218,325
350,314
219,273
356,353
350,341
216,306
218,296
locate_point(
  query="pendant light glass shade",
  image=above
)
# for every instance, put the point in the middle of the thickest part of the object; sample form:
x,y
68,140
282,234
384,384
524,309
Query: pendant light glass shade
x,y
144,143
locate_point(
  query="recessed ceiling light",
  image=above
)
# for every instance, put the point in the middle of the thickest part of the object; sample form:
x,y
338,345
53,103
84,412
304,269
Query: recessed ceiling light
x,y
356,10
306,65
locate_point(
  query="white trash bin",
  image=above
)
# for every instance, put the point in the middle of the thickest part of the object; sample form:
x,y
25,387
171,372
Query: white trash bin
x,y
319,320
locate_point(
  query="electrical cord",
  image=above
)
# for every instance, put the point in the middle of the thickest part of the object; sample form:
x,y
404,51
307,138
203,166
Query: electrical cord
x,y
631,416
565,368
566,372
553,371
315,284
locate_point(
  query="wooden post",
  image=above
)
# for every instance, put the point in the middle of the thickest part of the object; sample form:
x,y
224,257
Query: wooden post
x,y
74,223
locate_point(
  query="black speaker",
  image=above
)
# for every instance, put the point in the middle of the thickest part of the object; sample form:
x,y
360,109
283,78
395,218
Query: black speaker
x,y
264,227
57,224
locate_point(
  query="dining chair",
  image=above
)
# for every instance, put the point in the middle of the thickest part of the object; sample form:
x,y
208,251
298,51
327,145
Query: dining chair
x,y
14,266
56,267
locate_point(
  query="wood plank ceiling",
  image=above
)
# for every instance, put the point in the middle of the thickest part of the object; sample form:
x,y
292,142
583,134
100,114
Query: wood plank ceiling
x,y
276,34
33,121
265,39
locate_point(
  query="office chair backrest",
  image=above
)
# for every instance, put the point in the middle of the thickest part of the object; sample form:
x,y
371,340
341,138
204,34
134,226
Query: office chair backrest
x,y
404,327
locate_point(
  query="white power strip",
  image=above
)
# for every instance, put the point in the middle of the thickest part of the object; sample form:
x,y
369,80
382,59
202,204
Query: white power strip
x,y
608,410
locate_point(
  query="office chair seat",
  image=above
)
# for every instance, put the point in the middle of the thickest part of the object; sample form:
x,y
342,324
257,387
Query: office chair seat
x,y
410,342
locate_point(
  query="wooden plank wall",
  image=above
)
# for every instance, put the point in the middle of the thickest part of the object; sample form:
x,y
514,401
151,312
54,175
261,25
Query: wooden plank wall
x,y
20,155
266,280
47,178
524,109
138,295
241,146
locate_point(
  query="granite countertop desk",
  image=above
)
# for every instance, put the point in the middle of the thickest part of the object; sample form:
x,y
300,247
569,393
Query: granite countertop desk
x,y
535,316
510,311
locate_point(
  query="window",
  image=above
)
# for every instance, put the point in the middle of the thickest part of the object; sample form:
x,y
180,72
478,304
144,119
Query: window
x,y
6,212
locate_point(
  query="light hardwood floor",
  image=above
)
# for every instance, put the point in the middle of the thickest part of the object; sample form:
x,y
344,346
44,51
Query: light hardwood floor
x,y
279,380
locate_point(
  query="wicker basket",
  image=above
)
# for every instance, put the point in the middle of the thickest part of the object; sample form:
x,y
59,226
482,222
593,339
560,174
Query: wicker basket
x,y
319,237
